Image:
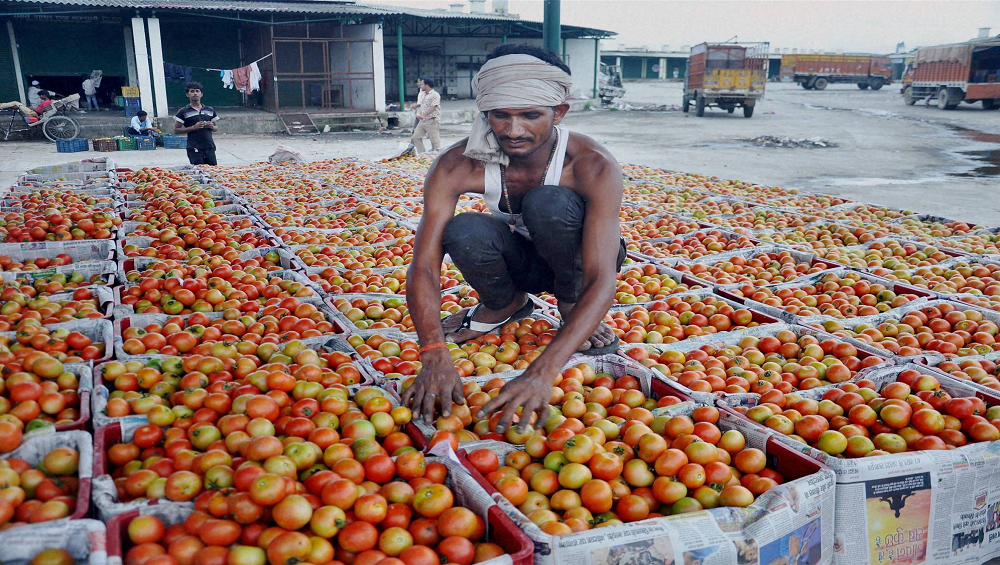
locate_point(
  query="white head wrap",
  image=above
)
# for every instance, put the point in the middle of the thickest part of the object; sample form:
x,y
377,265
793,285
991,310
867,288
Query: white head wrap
x,y
511,81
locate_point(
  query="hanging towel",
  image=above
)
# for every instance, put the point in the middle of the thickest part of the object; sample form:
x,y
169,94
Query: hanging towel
x,y
174,72
227,79
255,77
241,78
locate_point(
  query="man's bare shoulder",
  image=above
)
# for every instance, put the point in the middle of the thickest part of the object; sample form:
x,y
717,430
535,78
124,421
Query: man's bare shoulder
x,y
452,169
588,157
452,161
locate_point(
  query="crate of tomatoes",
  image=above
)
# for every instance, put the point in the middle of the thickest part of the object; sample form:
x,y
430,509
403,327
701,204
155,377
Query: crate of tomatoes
x,y
418,509
914,452
692,482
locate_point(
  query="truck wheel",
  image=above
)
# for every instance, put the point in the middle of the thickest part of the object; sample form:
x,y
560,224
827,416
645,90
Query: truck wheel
x,y
908,97
877,84
945,99
863,85
685,104
747,111
805,85
990,104
820,83
731,110
699,106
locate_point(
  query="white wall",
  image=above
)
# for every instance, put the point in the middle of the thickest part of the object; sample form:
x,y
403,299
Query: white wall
x,y
580,55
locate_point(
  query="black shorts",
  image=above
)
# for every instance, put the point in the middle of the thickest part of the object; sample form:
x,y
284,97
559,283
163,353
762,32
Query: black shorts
x,y
202,156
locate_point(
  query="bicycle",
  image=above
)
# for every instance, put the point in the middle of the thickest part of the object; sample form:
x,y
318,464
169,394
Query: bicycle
x,y
56,123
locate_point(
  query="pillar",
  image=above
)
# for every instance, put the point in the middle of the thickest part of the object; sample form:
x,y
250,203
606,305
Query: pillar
x,y
18,76
156,61
597,63
378,67
643,67
399,55
663,68
142,63
133,76
551,30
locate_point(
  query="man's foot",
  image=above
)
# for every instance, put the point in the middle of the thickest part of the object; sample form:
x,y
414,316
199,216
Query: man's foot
x,y
603,338
470,323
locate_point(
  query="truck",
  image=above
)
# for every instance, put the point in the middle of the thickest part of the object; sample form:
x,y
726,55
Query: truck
x,y
816,71
610,83
726,76
952,74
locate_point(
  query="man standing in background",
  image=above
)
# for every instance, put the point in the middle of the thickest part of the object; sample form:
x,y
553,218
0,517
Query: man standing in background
x,y
429,114
90,91
420,98
198,122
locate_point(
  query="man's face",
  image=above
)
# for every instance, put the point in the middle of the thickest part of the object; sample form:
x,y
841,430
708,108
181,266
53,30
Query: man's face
x,y
420,84
522,131
194,95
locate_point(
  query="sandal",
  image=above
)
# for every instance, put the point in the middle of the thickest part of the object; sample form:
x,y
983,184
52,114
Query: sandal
x,y
484,328
609,348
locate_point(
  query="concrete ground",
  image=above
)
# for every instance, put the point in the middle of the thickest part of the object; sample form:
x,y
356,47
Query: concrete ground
x,y
920,158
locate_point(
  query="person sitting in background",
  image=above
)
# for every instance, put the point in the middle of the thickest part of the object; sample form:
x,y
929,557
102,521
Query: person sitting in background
x,y
31,115
141,125
33,91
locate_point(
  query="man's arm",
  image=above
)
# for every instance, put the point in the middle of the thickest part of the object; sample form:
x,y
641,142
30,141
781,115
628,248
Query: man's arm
x,y
438,378
601,180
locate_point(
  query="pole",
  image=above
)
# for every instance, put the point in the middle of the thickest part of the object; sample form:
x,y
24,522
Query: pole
x,y
551,31
399,54
17,63
597,63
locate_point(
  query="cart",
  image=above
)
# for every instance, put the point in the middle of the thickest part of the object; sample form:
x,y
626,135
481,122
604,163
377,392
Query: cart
x,y
56,123
725,76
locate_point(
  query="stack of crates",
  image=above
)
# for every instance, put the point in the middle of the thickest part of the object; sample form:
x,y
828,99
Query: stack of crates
x,y
132,106
174,141
127,143
105,144
145,142
73,145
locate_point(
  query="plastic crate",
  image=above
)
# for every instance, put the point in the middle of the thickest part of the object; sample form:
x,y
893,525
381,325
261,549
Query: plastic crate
x,y
131,111
73,145
127,144
175,142
145,142
105,144
119,102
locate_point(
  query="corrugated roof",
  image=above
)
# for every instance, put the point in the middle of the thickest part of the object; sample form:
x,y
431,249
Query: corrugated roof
x,y
310,7
445,14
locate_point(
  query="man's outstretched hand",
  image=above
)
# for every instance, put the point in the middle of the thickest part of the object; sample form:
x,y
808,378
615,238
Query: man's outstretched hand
x,y
530,391
437,379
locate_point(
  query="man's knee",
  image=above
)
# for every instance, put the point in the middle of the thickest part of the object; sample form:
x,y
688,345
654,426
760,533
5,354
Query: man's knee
x,y
470,234
552,206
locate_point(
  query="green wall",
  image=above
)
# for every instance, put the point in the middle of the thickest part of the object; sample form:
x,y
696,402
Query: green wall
x,y
8,81
198,43
44,51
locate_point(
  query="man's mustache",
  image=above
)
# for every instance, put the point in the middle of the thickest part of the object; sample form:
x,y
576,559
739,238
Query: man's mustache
x,y
516,139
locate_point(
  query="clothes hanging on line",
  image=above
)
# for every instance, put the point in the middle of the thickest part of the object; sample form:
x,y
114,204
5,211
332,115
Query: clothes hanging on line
x,y
174,72
227,79
255,77
241,78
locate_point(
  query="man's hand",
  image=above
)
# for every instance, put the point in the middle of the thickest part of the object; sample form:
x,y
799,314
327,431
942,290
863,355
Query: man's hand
x,y
437,380
530,391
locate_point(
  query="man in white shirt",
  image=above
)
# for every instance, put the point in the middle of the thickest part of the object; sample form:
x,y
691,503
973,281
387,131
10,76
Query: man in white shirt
x,y
429,114
90,91
141,125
